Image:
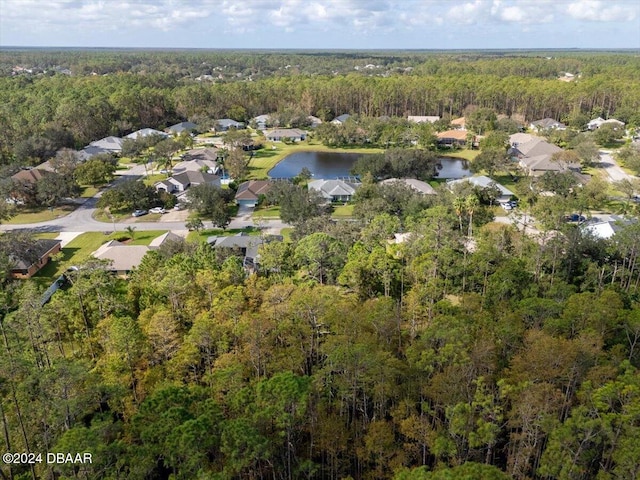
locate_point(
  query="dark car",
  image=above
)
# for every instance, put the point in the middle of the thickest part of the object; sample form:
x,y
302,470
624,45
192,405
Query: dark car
x,y
139,213
574,217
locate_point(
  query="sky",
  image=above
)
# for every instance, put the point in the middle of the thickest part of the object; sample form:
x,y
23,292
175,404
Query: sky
x,y
322,24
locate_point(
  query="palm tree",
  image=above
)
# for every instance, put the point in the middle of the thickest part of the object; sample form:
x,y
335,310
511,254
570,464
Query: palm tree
x,y
131,231
471,203
459,206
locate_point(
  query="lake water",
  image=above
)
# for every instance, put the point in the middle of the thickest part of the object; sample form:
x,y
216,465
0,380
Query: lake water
x,y
453,168
320,164
333,165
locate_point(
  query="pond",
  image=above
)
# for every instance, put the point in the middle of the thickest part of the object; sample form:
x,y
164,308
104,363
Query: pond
x,y
329,165
453,168
320,164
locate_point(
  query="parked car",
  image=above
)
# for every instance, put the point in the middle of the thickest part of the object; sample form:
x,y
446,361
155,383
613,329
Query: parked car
x,y
507,206
139,213
157,210
574,217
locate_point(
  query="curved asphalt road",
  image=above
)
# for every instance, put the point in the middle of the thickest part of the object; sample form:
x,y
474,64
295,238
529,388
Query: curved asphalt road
x,y
81,219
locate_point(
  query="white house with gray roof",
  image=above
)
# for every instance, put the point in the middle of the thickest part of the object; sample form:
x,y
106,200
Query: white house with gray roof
x,y
547,124
281,134
107,145
224,124
180,182
146,132
482,181
178,128
334,190
417,185
598,122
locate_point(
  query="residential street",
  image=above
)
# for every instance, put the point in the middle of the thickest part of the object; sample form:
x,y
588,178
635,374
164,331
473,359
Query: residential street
x,y
81,219
614,172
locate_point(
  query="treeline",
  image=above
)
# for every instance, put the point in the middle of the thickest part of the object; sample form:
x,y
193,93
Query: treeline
x,y
62,111
345,356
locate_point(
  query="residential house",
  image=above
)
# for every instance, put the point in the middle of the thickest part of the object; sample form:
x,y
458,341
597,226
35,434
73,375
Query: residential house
x,y
248,193
334,190
423,118
145,132
598,122
179,183
90,150
339,120
482,182
417,185
246,245
281,134
225,124
106,145
535,154
178,128
452,137
24,185
28,262
261,121
210,154
606,229
208,166
546,124
459,123
123,258
314,121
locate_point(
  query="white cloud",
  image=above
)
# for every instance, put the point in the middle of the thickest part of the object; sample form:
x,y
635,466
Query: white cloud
x,y
469,12
337,19
598,11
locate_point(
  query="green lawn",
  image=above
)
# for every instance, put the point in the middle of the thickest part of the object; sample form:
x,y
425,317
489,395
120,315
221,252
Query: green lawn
x,y
39,214
76,251
286,233
46,235
88,191
267,212
156,177
81,247
342,211
465,154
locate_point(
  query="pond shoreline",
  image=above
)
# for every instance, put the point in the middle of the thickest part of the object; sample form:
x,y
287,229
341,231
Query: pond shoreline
x,y
332,165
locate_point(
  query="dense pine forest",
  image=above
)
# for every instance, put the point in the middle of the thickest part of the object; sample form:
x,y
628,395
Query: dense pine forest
x,y
466,350
111,97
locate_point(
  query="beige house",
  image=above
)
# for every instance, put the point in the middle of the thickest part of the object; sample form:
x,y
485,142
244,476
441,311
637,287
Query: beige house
x,y
123,258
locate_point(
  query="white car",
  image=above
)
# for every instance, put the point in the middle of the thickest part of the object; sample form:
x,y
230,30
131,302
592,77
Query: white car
x,y
506,206
157,210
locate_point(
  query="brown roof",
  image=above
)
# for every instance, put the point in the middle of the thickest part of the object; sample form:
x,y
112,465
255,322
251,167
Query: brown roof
x,y
252,189
458,121
457,134
30,176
